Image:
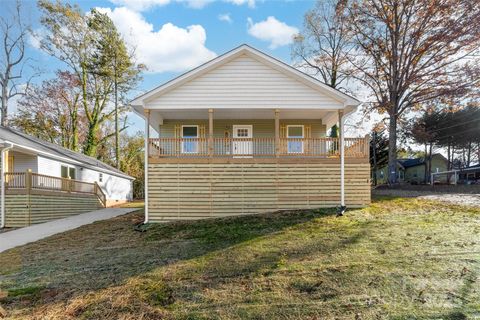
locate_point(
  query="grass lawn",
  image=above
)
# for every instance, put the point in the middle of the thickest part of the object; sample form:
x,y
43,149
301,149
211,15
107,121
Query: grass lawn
x,y
398,259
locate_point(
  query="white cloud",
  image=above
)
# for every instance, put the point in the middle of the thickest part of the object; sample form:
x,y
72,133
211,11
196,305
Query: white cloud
x,y
36,36
170,48
143,5
250,3
225,17
276,32
140,5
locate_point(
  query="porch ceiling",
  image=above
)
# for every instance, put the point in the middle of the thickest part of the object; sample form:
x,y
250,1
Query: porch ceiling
x,y
158,116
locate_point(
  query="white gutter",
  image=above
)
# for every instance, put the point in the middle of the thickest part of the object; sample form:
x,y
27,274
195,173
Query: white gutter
x,y
4,149
342,158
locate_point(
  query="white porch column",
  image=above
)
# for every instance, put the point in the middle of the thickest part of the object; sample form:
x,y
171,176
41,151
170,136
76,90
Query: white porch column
x,y
210,133
147,149
277,133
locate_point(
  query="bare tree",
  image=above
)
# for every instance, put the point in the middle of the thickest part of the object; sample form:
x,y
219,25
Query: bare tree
x,y
324,43
411,52
14,32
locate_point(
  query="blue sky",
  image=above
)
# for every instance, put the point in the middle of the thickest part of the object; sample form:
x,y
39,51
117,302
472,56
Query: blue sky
x,y
173,36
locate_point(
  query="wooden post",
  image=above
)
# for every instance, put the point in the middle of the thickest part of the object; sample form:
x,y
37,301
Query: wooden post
x,y
210,133
366,153
28,181
28,189
277,133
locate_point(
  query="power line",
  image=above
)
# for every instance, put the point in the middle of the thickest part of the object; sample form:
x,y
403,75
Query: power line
x,y
455,134
456,125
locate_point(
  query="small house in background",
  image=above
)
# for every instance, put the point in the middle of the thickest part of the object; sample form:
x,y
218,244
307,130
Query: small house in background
x,y
412,170
469,175
43,181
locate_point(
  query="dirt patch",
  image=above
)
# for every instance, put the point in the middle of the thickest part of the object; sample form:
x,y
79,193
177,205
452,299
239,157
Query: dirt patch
x,y
465,199
459,198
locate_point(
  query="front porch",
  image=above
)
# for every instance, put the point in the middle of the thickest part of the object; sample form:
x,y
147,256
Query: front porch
x,y
226,134
204,163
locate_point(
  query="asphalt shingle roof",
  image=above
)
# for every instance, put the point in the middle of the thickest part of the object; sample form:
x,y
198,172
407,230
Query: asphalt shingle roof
x,y
25,140
411,162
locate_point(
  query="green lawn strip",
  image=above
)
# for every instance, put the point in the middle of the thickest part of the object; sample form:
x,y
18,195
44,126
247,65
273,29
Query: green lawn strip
x,y
398,258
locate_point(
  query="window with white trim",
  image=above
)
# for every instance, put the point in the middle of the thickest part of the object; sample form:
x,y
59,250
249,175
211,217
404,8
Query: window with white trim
x,y
68,172
295,134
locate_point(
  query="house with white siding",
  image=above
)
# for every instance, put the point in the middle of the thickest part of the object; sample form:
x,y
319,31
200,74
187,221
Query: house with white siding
x,y
43,181
246,133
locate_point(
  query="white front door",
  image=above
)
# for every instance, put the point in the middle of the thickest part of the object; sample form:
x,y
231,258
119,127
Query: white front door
x,y
295,137
242,140
190,139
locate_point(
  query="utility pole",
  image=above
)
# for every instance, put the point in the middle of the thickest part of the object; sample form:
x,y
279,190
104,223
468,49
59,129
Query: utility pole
x,y
374,153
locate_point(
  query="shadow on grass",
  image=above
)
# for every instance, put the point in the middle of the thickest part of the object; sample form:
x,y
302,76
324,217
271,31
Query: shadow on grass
x,y
107,253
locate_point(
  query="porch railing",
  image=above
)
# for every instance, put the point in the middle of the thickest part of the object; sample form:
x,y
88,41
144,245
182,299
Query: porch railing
x,y
34,181
257,147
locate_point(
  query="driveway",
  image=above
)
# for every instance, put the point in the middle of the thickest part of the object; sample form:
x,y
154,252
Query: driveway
x,y
19,237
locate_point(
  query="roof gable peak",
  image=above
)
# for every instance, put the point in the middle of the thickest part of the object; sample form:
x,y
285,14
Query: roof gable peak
x,y
259,56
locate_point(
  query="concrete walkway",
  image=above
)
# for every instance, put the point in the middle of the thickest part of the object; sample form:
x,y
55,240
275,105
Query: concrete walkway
x,y
19,237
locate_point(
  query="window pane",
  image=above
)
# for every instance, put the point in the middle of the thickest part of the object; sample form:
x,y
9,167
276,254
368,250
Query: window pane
x,y
64,172
189,132
71,172
295,132
242,133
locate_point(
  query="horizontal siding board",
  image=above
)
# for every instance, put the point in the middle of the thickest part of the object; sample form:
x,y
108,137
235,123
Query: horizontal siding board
x,y
244,82
203,190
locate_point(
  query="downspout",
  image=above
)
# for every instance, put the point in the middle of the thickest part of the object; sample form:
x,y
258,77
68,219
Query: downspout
x,y
4,149
147,145
343,207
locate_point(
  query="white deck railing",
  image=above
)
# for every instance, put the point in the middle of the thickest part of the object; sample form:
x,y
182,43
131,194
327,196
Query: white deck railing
x,y
256,147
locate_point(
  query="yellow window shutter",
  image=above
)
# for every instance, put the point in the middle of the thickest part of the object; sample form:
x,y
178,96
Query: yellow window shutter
x,y
283,131
308,135
283,135
178,135
178,131
201,131
308,131
203,143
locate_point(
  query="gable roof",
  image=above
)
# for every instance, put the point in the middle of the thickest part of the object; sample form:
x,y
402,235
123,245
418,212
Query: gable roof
x,y
406,163
21,139
139,102
413,162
